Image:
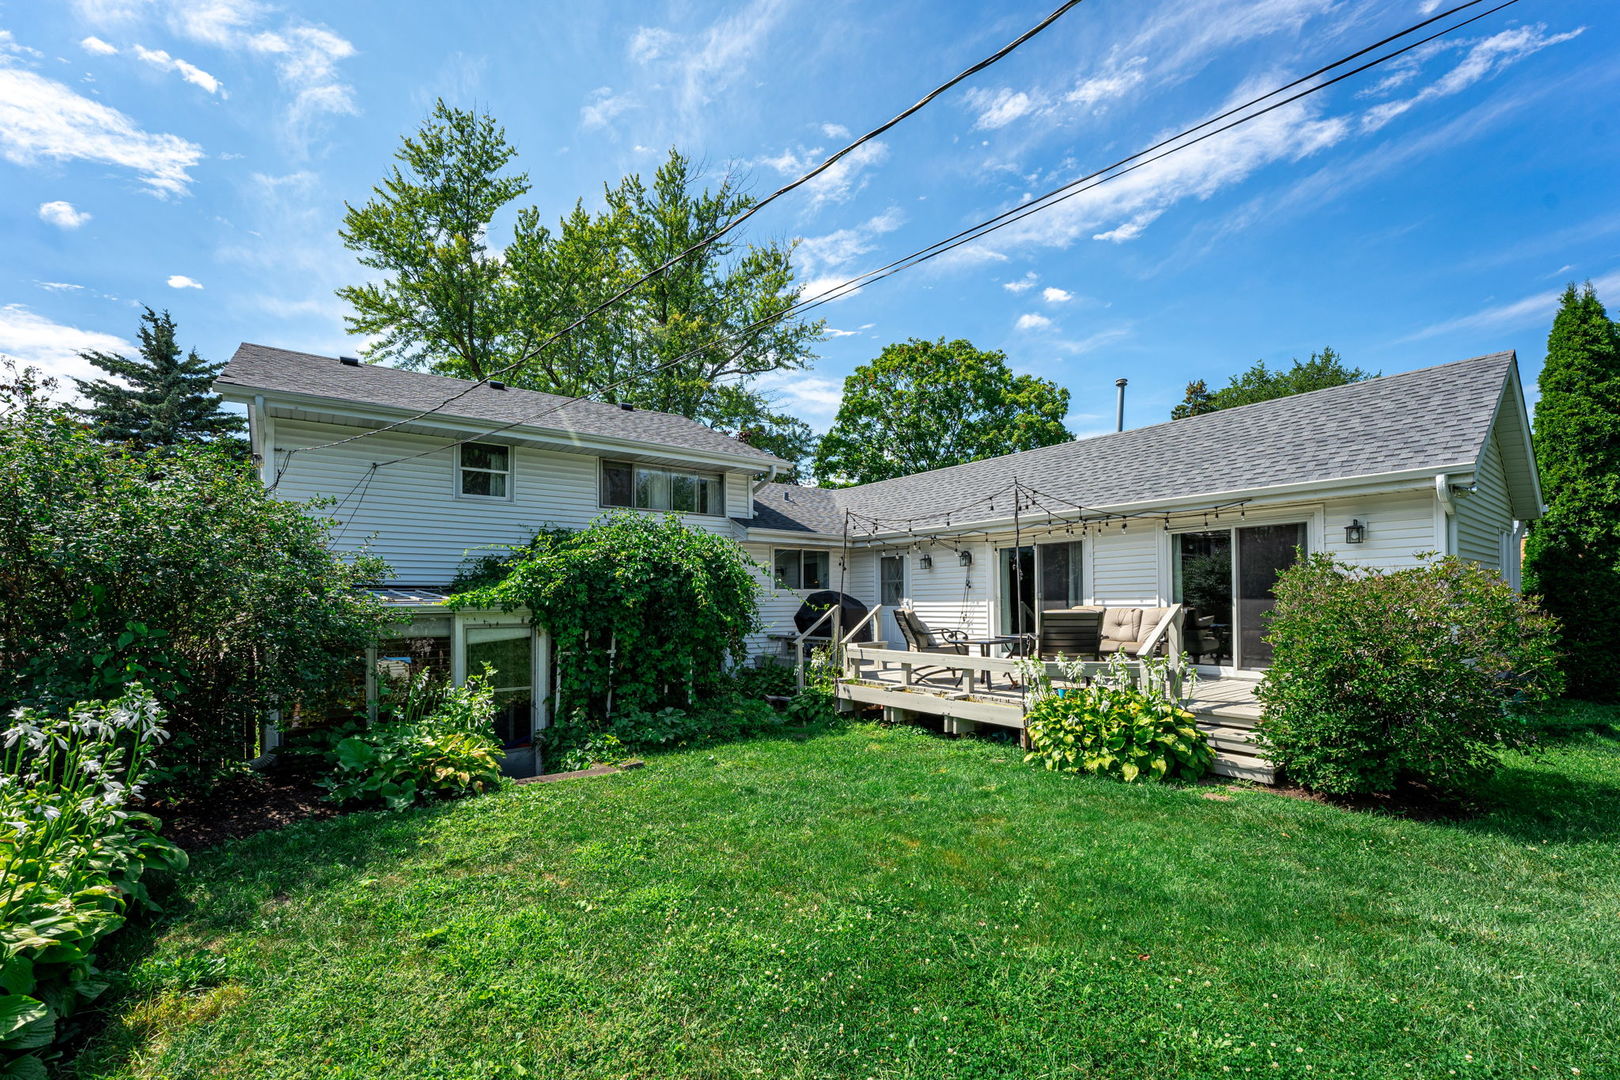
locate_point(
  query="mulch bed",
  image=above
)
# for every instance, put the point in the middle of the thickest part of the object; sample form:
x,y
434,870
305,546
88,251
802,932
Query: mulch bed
x,y
241,806
1414,801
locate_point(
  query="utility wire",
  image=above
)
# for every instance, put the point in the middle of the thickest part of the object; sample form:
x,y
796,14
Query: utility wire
x,y
1166,147
755,208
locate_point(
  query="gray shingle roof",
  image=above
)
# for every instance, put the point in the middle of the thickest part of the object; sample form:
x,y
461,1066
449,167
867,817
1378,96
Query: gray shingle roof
x,y
261,368
1428,419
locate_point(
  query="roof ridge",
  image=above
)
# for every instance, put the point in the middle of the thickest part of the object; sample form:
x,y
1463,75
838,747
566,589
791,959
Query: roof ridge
x,y
1191,421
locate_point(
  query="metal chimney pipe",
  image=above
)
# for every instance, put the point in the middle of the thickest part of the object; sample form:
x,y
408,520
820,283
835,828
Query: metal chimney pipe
x,y
1119,405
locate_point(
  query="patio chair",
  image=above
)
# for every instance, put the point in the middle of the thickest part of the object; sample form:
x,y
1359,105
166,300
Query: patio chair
x,y
1072,633
920,638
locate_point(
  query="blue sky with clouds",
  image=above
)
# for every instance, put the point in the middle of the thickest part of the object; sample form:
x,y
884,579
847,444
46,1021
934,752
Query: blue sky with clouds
x,y
196,155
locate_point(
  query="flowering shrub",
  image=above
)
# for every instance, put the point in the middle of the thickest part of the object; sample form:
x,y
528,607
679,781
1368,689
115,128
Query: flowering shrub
x,y
71,859
438,740
1124,721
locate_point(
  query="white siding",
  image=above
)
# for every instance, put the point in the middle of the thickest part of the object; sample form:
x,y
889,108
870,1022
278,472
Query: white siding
x,y
952,596
1123,567
1399,527
1484,515
409,512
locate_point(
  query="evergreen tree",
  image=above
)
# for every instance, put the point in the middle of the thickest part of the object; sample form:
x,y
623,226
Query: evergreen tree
x,y
1260,383
165,399
1572,558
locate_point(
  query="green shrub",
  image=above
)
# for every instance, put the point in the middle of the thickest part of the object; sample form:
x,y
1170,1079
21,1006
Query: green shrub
x,y
1118,731
769,679
72,858
572,746
438,741
173,568
1417,674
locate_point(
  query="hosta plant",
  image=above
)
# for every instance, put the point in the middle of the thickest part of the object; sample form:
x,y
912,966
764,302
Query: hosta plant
x,y
1117,731
72,856
438,741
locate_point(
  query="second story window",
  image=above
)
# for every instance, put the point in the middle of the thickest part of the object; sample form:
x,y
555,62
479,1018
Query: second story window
x,y
484,471
650,487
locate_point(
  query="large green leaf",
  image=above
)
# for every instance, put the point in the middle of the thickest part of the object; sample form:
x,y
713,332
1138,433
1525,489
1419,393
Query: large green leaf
x,y
17,1011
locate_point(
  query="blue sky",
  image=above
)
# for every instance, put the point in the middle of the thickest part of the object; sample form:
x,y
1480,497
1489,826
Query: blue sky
x,y
196,155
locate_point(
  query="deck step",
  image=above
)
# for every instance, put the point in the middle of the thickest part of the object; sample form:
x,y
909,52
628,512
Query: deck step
x,y
1230,739
1244,768
1235,715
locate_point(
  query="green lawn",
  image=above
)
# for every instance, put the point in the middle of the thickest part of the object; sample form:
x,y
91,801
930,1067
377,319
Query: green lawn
x,y
886,903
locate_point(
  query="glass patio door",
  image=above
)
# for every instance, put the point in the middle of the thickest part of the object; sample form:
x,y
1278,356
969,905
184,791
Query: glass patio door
x,y
1264,551
1226,577
1016,581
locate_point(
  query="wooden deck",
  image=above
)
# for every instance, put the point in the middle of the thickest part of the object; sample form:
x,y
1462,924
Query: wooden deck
x,y
1226,708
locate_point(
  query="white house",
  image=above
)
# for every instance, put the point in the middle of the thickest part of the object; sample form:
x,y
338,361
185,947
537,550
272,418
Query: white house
x,y
1202,511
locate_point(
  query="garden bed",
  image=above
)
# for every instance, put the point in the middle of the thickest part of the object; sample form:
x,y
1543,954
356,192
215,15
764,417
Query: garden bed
x,y
242,805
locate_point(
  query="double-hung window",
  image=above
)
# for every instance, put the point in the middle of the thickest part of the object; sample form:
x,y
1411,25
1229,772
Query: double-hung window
x,y
484,471
654,487
802,569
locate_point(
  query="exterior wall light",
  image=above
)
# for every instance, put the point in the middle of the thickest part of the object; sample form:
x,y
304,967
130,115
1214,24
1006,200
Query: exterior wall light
x,y
927,561
965,557
1355,532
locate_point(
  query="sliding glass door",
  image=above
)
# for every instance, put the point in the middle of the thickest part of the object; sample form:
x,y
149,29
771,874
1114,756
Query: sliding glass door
x,y
1225,577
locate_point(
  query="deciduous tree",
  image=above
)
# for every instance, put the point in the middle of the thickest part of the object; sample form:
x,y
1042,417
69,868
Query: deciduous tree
x,y
928,404
1261,383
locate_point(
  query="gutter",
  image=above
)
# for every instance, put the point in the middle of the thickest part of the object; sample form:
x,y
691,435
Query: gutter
x,y
1442,491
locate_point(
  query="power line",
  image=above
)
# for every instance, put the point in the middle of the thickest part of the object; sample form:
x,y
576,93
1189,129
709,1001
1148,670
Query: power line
x,y
715,236
1122,167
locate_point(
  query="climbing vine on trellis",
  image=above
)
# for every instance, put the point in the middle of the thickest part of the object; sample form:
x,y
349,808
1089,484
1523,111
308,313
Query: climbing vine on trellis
x,y
644,612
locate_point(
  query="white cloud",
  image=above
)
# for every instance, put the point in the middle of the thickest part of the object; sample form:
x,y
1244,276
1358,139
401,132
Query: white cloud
x,y
1054,295
1531,310
33,340
43,119
95,45
840,181
1032,321
822,254
1123,208
58,286
835,131
603,107
704,63
306,55
1484,57
1114,83
62,214
187,71
180,281
810,397
1023,284
1000,107
650,43
9,46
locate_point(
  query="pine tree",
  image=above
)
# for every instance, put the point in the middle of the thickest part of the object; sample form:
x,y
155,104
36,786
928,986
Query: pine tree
x,y
162,399
1572,558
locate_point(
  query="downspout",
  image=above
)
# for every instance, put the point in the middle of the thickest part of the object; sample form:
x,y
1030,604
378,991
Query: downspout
x,y
1448,506
769,477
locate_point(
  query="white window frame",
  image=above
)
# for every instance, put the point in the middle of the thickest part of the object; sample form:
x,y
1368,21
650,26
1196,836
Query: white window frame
x,y
701,474
510,473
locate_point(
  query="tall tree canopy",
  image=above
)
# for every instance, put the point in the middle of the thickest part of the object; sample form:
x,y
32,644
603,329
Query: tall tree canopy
x,y
1261,383
1572,557
684,342
928,404
163,398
